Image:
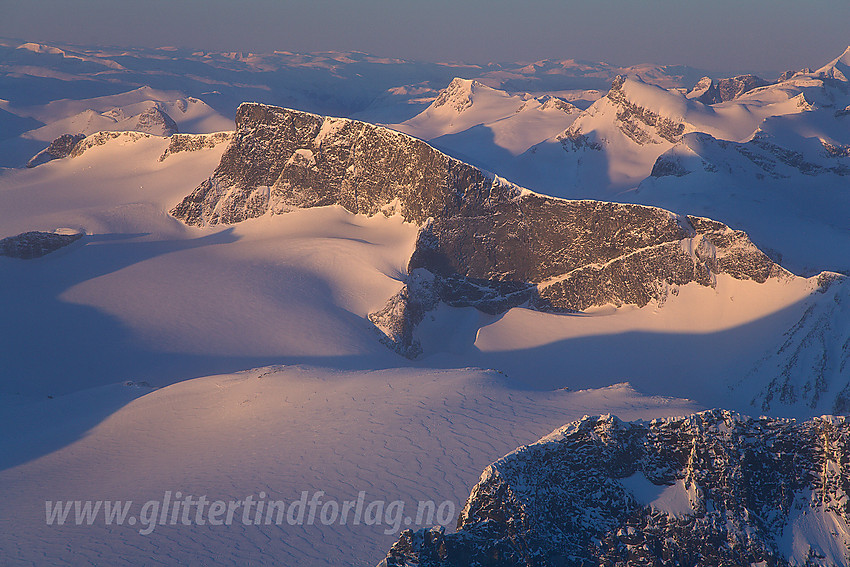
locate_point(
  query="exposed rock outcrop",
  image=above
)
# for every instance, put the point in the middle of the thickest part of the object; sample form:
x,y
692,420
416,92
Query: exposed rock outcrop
x,y
59,148
35,244
714,488
708,91
157,122
101,138
811,366
194,142
634,118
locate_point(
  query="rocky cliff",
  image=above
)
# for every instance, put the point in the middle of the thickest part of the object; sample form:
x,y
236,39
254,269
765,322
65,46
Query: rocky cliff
x,y
483,242
35,244
59,148
709,91
711,489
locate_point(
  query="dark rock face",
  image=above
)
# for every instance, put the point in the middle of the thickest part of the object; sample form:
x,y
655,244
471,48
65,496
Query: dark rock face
x,y
708,91
155,121
667,165
631,116
35,244
732,88
711,489
283,159
101,138
705,91
59,148
483,242
194,142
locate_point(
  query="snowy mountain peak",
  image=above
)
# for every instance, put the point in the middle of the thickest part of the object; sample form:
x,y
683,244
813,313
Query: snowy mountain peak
x,y
458,95
838,68
555,103
700,88
516,122
633,91
41,48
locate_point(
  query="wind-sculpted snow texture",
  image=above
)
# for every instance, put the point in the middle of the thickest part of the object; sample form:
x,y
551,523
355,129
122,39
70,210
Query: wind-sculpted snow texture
x,y
713,489
484,242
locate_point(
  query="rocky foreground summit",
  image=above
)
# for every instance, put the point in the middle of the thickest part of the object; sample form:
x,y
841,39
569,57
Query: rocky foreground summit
x,y
710,489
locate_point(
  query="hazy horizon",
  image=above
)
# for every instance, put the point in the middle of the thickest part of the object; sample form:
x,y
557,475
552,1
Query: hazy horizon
x,y
761,36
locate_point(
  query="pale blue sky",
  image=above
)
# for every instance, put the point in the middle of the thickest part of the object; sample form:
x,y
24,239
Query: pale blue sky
x,y
758,35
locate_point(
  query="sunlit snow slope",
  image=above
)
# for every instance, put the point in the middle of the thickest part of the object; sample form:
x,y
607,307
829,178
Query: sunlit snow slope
x,y
398,434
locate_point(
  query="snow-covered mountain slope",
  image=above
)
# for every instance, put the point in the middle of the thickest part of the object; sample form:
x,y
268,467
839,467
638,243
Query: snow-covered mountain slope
x,y
721,345
131,110
283,258
838,68
622,134
615,270
811,364
470,118
399,434
714,488
549,75
629,127
702,286
132,293
161,113
785,184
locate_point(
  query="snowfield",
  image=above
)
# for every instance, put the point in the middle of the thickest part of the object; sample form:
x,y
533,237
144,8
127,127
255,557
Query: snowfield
x,y
399,434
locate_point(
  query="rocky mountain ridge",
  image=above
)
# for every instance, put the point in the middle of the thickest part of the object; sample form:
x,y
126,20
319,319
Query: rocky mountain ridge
x,y
710,91
484,242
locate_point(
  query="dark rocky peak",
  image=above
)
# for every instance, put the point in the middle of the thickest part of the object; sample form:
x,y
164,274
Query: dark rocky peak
x,y
708,91
483,242
35,244
714,488
634,119
59,148
156,121
733,87
281,159
705,91
458,95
